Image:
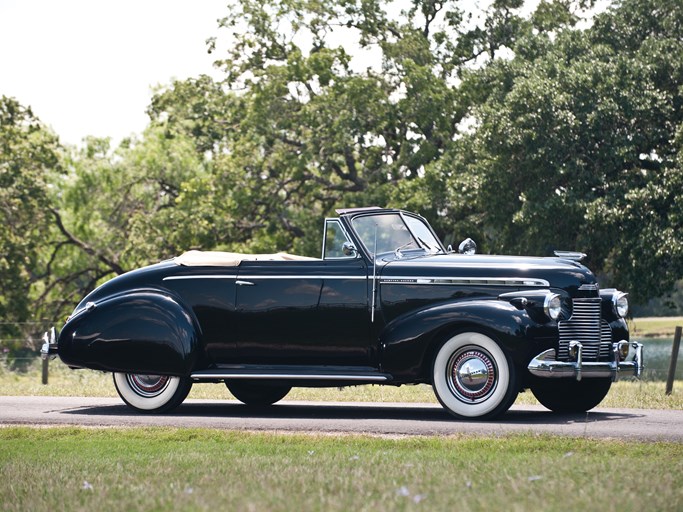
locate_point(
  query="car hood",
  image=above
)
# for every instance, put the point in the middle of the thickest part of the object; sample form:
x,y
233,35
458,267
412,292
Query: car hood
x,y
516,270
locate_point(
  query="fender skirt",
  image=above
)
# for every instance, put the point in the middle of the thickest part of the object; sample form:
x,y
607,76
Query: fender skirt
x,y
140,332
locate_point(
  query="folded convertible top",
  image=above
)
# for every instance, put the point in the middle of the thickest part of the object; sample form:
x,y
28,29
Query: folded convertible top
x,y
231,259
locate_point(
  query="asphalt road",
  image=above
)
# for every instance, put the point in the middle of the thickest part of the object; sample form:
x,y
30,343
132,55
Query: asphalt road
x,y
344,417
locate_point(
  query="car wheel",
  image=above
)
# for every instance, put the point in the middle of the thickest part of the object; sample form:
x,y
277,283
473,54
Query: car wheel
x,y
473,378
569,395
257,393
152,393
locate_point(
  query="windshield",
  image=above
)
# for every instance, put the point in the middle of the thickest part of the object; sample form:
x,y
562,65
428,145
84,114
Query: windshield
x,y
394,232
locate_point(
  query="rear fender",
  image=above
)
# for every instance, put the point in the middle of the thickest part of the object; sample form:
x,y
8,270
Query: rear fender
x,y
137,332
409,342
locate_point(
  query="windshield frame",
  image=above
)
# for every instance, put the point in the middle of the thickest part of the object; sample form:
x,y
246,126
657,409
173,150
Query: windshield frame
x,y
416,243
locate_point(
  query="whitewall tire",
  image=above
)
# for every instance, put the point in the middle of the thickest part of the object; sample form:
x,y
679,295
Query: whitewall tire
x,y
152,393
473,378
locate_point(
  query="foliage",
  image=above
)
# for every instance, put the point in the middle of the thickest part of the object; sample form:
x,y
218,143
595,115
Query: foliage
x,y
576,144
302,128
76,217
523,131
670,303
122,209
29,163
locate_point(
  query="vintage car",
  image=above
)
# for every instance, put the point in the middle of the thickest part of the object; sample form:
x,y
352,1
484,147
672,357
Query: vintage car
x,y
386,303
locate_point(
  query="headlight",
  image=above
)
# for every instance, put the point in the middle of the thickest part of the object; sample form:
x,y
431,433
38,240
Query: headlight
x,y
552,306
620,303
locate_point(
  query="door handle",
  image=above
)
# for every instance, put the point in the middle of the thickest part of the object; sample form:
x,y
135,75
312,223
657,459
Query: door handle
x,y
244,283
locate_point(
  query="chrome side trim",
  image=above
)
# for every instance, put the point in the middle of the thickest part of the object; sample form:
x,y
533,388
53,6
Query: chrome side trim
x,y
461,281
250,276
288,376
302,276
479,281
178,278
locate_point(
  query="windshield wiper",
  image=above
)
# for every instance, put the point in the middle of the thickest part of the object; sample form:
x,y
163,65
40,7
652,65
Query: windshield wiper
x,y
427,246
398,249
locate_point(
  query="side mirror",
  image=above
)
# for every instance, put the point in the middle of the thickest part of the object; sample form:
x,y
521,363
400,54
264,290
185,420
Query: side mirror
x,y
349,249
468,247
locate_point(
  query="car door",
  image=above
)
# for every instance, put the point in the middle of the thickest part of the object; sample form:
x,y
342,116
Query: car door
x,y
303,313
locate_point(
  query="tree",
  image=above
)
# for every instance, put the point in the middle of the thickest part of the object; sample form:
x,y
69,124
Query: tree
x,y
122,209
29,161
578,145
527,133
298,127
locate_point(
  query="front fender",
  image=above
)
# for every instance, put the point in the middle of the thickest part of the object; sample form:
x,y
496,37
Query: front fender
x,y
137,332
409,342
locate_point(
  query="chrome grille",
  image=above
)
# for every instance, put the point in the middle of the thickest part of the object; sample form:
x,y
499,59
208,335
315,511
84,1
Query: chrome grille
x,y
587,327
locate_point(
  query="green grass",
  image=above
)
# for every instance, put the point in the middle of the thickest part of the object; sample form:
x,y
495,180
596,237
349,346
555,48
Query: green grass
x,y
66,382
188,469
654,327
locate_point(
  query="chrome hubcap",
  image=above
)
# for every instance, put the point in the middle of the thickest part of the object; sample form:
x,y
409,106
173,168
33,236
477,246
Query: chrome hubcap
x,y
148,385
472,374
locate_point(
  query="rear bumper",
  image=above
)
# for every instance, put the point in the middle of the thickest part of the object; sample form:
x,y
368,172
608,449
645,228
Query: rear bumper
x,y
546,366
49,348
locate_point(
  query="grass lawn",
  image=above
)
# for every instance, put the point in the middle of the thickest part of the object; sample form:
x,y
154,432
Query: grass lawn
x,y
655,327
188,469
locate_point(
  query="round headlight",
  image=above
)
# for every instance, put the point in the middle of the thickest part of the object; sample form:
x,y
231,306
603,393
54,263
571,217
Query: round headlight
x,y
552,306
620,303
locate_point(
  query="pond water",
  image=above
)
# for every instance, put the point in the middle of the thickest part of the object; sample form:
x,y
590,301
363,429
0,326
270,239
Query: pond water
x,y
657,355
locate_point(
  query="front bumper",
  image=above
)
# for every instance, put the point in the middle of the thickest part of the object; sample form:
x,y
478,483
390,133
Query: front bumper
x,y
546,366
49,348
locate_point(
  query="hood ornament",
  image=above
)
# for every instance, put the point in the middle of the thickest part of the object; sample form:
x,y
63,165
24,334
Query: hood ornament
x,y
570,255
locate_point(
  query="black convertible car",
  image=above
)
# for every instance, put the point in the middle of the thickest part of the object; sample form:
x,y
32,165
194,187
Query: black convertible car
x,y
386,303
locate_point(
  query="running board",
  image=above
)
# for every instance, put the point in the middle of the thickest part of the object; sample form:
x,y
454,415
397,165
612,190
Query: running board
x,y
318,373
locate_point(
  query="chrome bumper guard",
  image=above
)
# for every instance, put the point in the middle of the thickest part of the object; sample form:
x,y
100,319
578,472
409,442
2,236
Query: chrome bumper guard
x,y
49,348
545,365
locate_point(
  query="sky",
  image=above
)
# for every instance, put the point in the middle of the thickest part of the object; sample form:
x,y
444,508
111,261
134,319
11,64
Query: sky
x,y
89,67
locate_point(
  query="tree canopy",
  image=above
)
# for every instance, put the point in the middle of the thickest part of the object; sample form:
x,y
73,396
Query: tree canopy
x,y
528,131
29,163
578,144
